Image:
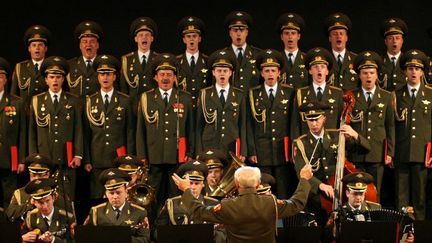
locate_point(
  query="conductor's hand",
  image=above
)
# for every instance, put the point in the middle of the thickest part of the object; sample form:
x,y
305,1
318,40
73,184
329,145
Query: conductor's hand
x,y
306,172
182,184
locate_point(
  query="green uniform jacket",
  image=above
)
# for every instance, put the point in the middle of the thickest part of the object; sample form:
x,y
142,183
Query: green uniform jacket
x,y
12,129
131,215
219,127
366,206
81,82
298,75
246,74
346,77
157,126
134,80
193,82
108,133
51,129
249,217
26,82
375,123
331,95
392,78
269,124
59,224
413,124
303,148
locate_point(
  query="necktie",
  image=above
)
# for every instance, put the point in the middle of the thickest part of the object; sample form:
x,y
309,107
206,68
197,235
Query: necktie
x,y
240,55
165,98
413,96
89,65
339,61
320,148
290,61
192,63
393,60
391,84
46,221
117,213
106,103
222,97
55,102
369,98
36,67
271,96
144,62
319,94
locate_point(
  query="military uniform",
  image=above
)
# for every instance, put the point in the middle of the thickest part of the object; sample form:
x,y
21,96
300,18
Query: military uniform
x,y
57,131
27,80
295,74
331,95
343,74
413,137
60,220
192,78
246,75
82,79
129,215
216,160
12,137
137,77
257,223
269,129
109,133
392,75
374,121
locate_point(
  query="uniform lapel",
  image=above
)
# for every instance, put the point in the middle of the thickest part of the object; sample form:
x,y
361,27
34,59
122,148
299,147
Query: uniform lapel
x,y
377,97
361,99
185,64
125,213
159,99
113,102
62,102
214,96
172,99
266,99
3,102
82,65
419,95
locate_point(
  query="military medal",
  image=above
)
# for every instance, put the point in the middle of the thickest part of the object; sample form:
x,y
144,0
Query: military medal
x,y
43,107
67,116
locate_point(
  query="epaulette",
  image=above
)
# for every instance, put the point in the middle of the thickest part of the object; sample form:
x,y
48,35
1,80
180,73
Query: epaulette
x,y
95,93
210,87
372,203
176,197
41,94
304,88
385,91
184,92
128,54
257,87
122,94
211,199
63,213
237,89
150,91
71,94
137,207
33,211
204,55
255,48
99,206
428,86
286,86
23,62
353,53
300,137
15,97
331,130
335,88
179,56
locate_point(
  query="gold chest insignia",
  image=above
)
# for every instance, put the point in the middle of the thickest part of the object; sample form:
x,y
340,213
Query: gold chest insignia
x,y
234,104
426,102
284,101
334,146
67,106
331,101
129,222
204,70
119,108
380,105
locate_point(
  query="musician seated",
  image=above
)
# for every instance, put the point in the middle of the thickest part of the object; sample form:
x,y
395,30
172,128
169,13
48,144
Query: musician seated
x,y
118,211
175,212
39,167
46,223
131,165
215,160
356,208
319,148
267,181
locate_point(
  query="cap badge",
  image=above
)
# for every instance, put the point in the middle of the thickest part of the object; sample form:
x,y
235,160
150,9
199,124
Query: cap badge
x,y
128,157
337,16
269,52
56,59
36,27
414,52
104,57
239,14
359,175
190,19
210,152
37,182
111,173
290,16
367,54
317,50
37,156
310,105
222,52
392,21
165,56
196,163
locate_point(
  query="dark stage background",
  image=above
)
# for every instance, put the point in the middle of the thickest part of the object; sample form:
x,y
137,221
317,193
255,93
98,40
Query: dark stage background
x,y
61,17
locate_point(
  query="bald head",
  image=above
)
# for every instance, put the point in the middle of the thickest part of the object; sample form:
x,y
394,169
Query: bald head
x,y
247,177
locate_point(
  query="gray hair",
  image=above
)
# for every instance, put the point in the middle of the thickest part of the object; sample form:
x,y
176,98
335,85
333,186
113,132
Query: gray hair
x,y
247,176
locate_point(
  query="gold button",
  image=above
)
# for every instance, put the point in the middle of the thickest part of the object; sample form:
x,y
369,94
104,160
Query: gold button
x,y
107,118
107,135
413,136
273,139
273,130
273,121
166,122
166,114
222,135
369,121
223,128
368,137
107,143
166,139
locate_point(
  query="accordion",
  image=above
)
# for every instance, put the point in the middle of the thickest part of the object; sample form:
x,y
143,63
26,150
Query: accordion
x,y
301,219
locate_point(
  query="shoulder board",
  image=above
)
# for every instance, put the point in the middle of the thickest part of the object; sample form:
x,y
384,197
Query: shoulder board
x,y
150,91
137,207
204,55
184,92
122,94
63,213
335,88
257,87
176,197
210,87
301,137
72,95
385,91
304,88
33,211
428,86
14,97
41,94
286,86
331,130
373,203
95,93
352,53
128,54
23,62
179,56
99,206
255,48
211,199
237,89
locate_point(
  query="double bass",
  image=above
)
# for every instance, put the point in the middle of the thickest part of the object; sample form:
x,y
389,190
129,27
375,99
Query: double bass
x,y
344,166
